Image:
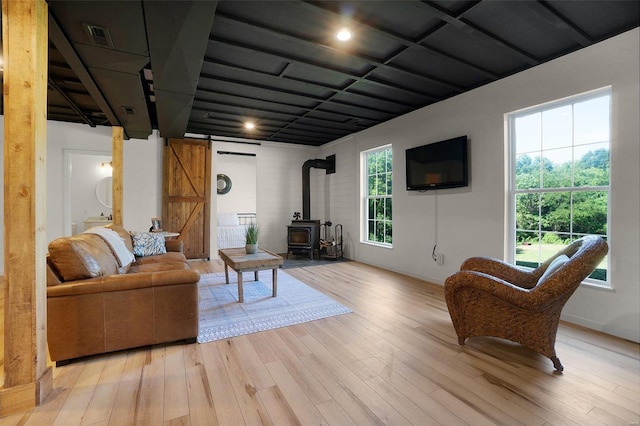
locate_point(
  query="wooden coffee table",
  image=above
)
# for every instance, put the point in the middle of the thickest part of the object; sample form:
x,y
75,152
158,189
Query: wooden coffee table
x,y
238,260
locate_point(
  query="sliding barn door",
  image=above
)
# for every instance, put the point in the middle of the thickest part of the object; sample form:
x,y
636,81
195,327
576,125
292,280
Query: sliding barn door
x,y
186,194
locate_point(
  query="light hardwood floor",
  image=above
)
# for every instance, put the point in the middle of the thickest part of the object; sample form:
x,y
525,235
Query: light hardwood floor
x,y
395,360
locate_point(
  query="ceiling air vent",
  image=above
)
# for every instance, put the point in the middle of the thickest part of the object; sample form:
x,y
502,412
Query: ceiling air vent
x,y
99,35
128,110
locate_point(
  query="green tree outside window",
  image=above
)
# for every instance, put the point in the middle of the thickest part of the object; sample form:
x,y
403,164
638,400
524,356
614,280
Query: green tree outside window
x,y
379,184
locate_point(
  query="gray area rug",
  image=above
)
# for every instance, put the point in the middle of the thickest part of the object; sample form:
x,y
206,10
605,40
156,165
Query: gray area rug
x,y
221,316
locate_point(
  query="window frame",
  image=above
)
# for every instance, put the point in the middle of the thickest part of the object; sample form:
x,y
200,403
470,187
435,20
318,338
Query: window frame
x,y
364,204
513,191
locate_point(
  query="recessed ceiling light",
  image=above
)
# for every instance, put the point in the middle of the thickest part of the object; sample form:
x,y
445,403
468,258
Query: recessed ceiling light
x,y
343,35
249,125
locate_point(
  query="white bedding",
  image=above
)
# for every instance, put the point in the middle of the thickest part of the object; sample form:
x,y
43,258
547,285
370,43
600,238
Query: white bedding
x,y
232,228
231,236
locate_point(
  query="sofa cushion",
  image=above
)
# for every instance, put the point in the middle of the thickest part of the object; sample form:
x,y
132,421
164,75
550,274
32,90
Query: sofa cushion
x,y
53,276
169,257
159,267
148,243
124,234
118,247
82,256
171,261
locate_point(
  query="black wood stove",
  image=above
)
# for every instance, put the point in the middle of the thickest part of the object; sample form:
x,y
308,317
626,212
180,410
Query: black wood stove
x,y
303,237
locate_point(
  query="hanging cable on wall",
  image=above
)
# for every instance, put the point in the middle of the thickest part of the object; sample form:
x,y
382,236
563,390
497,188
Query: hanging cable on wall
x,y
435,244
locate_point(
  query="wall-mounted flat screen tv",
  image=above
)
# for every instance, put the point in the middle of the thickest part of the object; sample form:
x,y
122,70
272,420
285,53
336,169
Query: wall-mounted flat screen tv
x,y
438,165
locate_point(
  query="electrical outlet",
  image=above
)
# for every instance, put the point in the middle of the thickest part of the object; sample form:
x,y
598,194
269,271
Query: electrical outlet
x,y
440,259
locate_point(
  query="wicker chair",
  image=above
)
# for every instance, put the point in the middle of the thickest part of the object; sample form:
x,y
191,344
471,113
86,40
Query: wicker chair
x,y
488,297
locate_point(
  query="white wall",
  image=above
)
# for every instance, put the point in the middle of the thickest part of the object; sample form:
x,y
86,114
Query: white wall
x,y
471,221
280,190
337,199
142,186
242,171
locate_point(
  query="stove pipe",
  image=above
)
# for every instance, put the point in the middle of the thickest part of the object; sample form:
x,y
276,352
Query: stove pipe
x,y
329,164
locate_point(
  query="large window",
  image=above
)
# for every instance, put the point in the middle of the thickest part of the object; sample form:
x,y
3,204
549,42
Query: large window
x,y
560,177
377,179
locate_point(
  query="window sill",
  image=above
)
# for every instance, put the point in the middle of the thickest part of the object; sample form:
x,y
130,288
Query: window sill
x,y
598,286
381,245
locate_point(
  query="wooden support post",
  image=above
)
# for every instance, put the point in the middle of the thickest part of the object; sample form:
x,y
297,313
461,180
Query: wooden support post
x,y
27,377
117,136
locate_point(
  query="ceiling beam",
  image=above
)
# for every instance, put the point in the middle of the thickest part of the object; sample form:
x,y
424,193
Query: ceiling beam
x,y
71,103
306,96
177,34
253,108
480,33
239,133
264,123
289,57
305,83
299,39
266,131
405,41
548,12
59,39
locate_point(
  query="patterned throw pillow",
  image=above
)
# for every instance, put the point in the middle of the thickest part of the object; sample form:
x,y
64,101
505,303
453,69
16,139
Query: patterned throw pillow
x,y
148,243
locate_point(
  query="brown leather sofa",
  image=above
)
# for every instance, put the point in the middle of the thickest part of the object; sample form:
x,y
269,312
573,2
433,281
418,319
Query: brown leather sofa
x,y
96,306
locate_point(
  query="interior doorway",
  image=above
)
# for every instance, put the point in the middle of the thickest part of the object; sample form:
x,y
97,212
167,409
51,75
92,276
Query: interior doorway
x,y
87,189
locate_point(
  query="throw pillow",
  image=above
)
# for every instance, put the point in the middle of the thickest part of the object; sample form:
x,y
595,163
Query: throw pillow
x,y
554,266
228,219
148,243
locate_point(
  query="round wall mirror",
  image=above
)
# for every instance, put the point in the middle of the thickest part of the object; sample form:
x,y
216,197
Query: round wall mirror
x,y
224,184
104,192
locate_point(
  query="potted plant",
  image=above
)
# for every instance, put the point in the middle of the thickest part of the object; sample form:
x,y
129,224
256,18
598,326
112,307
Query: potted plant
x,y
251,238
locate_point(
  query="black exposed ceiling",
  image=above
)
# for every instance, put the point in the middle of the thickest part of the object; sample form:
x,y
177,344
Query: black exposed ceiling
x,y
207,67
